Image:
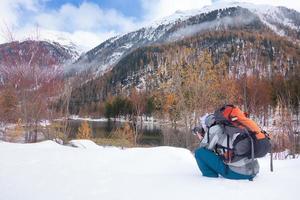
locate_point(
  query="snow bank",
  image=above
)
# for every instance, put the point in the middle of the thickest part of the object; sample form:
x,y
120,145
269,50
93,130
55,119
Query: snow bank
x,y
51,171
86,144
76,117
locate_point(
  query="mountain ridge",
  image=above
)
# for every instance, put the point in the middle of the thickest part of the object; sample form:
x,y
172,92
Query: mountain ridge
x,y
46,53
282,21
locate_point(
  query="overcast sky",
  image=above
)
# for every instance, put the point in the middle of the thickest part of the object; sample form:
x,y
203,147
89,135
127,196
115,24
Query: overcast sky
x,y
89,22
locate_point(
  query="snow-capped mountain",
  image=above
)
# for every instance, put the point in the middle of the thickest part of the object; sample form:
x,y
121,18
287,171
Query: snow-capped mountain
x,y
44,53
63,39
281,20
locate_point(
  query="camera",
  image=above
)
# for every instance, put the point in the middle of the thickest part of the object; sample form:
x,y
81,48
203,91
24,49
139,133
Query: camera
x,y
198,129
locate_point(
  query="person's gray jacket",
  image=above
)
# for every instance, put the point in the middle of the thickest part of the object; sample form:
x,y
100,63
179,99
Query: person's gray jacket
x,y
241,165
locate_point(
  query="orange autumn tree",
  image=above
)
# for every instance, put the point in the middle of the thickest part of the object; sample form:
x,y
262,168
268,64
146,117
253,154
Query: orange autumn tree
x,y
84,131
195,85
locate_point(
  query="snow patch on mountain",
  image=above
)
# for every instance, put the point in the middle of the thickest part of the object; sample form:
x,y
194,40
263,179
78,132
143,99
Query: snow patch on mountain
x,y
265,12
63,39
217,24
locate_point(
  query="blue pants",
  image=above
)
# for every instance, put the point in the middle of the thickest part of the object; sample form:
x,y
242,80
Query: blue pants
x,y
211,165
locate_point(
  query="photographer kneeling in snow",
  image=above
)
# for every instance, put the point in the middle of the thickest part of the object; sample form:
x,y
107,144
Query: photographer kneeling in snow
x,y
230,142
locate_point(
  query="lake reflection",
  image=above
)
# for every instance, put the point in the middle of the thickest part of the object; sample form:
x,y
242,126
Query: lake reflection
x,y
151,133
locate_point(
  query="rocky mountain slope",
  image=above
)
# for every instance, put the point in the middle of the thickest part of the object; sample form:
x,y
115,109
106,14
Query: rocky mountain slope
x,y
43,53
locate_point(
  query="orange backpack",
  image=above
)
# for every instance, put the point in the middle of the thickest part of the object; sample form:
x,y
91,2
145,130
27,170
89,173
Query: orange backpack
x,y
233,121
239,119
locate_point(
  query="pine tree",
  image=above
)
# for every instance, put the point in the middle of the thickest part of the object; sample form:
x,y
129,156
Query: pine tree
x,y
84,131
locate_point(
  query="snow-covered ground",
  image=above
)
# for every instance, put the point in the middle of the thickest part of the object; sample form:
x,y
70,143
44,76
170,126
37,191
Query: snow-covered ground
x,y
51,171
149,120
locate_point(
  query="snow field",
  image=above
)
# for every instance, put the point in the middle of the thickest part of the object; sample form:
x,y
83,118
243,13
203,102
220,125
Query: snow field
x,y
48,170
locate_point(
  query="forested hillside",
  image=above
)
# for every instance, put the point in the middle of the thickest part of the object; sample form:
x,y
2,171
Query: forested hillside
x,y
262,67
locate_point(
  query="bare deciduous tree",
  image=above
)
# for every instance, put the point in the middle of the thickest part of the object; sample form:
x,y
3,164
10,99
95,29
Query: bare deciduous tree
x,y
138,102
36,80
